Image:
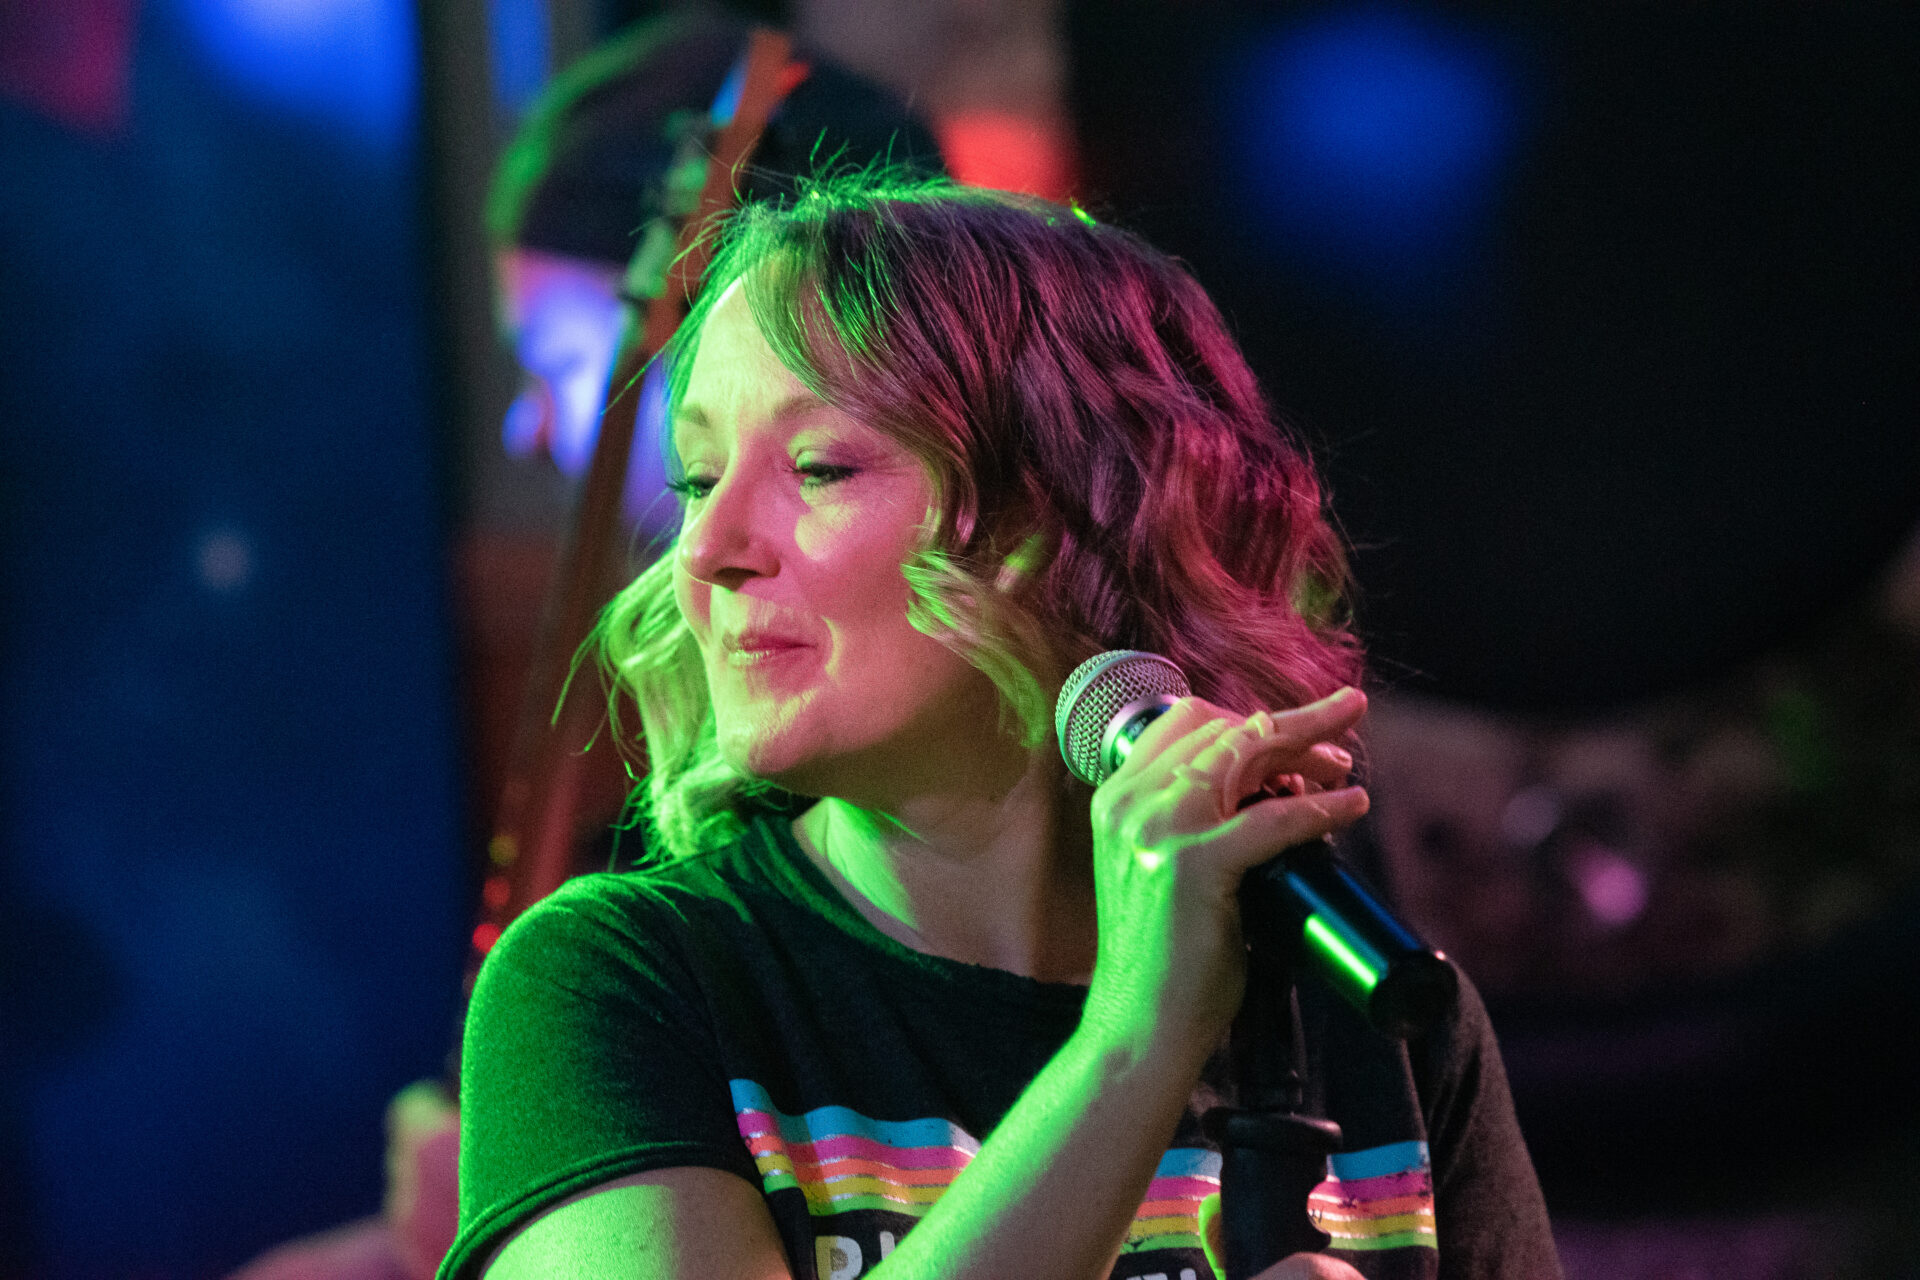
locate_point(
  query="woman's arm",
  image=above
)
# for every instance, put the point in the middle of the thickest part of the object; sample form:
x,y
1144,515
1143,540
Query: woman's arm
x,y
1056,1185
1051,1193
669,1222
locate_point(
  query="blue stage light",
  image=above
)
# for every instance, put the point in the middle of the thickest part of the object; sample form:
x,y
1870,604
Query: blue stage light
x,y
1377,135
349,65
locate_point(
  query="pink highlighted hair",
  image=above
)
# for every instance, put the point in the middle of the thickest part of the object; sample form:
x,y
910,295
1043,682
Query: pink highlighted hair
x,y
1109,473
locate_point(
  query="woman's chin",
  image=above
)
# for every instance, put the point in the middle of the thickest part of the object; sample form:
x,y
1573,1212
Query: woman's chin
x,y
763,757
781,765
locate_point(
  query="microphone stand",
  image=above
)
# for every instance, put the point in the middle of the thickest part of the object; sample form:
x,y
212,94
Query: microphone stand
x,y
1273,1154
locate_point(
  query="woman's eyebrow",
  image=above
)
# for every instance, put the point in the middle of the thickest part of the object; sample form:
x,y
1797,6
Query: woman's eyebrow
x,y
796,405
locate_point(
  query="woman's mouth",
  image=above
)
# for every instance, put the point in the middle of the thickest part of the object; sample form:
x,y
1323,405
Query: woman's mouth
x,y
759,650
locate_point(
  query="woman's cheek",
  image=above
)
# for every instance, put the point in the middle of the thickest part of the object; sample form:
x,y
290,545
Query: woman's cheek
x,y
692,597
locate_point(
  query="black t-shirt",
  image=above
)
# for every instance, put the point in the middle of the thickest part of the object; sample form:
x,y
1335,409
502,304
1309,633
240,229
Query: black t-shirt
x,y
734,1011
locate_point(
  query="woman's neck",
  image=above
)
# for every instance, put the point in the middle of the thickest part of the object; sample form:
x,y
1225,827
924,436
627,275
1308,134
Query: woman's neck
x,y
999,877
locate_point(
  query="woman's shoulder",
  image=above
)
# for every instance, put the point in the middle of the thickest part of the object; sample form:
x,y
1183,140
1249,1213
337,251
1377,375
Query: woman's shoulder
x,y
745,877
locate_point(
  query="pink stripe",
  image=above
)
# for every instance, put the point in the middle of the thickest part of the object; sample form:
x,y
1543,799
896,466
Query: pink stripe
x,y
754,1123
1182,1188
823,1150
758,1124
1388,1186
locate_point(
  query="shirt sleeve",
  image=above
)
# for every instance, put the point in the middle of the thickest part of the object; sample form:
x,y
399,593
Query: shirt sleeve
x,y
587,1057
1492,1218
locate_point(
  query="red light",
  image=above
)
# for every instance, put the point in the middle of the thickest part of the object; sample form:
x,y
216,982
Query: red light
x,y
495,892
485,934
1008,153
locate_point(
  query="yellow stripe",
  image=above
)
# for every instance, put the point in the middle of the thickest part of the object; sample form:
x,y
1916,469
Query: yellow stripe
x,y
1357,1229
840,1188
1402,1240
1182,1223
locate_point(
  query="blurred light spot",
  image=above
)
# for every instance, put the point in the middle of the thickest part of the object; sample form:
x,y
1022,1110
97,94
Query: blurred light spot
x,y
348,64
485,935
519,31
495,892
568,326
225,561
1008,153
524,428
727,101
645,501
1377,131
1530,817
71,60
1614,889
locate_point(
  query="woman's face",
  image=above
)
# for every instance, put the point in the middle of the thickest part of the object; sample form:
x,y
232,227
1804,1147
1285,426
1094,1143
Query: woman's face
x,y
787,569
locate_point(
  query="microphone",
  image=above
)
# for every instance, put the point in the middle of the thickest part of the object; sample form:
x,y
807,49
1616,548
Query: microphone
x,y
1382,968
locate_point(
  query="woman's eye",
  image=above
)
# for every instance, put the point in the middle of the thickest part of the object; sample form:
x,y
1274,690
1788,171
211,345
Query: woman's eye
x,y
814,474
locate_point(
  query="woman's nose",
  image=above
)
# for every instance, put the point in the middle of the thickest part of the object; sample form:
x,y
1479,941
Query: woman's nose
x,y
722,543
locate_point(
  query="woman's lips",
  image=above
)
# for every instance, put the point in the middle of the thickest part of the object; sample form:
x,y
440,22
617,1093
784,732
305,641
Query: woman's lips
x,y
761,651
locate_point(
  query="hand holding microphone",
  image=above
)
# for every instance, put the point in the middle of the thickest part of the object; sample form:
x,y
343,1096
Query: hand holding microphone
x,y
1202,789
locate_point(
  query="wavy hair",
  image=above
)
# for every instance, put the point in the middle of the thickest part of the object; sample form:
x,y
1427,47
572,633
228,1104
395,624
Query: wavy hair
x,y
1107,472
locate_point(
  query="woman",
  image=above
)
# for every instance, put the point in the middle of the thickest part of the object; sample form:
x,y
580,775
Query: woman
x,y
935,446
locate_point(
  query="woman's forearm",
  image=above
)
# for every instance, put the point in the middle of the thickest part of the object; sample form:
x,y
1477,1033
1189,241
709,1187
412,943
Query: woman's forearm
x,y
1058,1182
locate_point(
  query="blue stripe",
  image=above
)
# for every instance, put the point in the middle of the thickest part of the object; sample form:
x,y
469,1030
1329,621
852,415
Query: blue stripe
x,y
1189,1162
1375,1162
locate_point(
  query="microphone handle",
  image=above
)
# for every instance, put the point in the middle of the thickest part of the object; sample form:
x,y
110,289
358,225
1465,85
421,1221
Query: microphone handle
x,y
1309,901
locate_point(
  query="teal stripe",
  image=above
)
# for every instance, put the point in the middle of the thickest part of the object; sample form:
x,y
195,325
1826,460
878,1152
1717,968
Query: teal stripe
x,y
1189,1162
837,1122
1375,1162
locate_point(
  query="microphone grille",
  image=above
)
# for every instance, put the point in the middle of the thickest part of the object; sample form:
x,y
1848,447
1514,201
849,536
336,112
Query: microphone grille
x,y
1096,691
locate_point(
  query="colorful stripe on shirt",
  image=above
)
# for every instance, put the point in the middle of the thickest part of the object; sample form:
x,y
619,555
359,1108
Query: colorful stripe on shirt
x,y
840,1160
1170,1216
1380,1198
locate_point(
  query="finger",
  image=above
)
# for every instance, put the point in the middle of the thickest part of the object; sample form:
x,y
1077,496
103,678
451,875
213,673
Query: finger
x,y
1330,758
1177,735
1187,727
1271,746
1324,720
1258,755
1323,766
1263,829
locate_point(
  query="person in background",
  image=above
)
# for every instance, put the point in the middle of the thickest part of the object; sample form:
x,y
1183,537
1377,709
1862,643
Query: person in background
x,y
583,174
